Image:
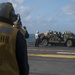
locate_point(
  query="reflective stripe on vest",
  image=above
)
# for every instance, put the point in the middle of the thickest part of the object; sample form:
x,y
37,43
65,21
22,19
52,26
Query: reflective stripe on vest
x,y
5,30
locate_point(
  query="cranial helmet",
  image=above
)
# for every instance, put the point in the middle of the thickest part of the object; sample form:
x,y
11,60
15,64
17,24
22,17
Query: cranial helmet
x,y
7,11
37,31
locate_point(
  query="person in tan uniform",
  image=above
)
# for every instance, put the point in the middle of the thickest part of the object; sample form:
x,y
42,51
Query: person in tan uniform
x,y
13,49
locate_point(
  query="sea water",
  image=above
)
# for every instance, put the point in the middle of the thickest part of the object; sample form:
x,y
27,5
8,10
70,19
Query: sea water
x,y
31,38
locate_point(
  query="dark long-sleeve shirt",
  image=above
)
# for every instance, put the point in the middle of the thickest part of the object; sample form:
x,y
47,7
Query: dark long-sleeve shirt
x,y
21,54
27,34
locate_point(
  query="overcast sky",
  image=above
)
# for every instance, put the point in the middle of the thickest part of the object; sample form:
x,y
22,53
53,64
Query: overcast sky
x,y
44,15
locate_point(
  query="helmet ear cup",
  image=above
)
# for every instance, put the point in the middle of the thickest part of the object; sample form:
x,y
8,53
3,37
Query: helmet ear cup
x,y
12,15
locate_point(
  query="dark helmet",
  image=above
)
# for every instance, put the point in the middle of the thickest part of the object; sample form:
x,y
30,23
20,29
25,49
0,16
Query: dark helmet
x,y
7,11
24,27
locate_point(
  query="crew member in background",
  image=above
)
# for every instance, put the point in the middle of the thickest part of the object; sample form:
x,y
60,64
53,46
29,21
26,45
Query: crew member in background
x,y
13,49
26,32
37,39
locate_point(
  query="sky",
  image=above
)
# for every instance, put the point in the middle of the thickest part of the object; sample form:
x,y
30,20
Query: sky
x,y
44,15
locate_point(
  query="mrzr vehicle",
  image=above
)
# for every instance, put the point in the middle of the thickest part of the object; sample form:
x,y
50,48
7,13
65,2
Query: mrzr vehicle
x,y
55,38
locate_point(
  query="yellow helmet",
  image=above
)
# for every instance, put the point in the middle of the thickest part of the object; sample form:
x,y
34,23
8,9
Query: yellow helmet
x,y
7,10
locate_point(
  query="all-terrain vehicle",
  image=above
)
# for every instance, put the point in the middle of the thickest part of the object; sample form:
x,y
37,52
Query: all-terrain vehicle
x,y
57,38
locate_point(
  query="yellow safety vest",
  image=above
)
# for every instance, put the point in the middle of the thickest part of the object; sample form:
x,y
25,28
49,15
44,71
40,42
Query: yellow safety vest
x,y
8,62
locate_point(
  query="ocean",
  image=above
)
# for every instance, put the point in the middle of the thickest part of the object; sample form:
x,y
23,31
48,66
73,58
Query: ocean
x,y
31,38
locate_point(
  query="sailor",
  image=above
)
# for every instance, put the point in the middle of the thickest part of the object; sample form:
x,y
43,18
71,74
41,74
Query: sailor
x,y
13,49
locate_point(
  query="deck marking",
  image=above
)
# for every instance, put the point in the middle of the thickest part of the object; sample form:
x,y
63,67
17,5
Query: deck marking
x,y
52,55
65,52
46,50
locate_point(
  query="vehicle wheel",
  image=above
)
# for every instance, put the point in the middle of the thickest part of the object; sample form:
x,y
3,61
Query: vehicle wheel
x,y
69,43
45,42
